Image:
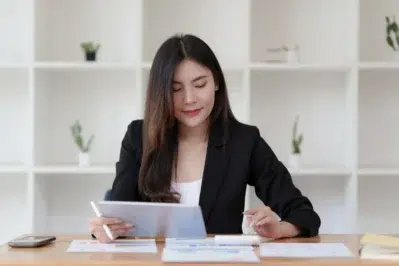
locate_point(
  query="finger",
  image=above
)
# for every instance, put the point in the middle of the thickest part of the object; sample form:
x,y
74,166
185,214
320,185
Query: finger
x,y
104,220
101,236
251,211
257,217
264,220
121,226
122,232
260,230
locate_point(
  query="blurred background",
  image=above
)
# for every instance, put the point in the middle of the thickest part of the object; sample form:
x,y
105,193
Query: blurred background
x,y
318,77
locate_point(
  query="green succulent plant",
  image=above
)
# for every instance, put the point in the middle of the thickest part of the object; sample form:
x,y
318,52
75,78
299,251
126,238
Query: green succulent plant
x,y
76,130
296,139
90,47
392,33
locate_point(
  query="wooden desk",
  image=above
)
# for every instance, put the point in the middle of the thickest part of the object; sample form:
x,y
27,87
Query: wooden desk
x,y
55,254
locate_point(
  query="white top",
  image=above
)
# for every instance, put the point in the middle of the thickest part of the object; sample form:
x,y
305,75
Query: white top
x,y
189,191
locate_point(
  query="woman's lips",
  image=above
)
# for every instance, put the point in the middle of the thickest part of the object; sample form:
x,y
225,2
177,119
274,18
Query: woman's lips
x,y
192,113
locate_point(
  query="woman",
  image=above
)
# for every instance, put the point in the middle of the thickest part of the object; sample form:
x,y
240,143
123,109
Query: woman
x,y
189,148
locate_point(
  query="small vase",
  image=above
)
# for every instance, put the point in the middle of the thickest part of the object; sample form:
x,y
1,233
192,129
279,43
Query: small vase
x,y
90,56
294,160
84,159
292,57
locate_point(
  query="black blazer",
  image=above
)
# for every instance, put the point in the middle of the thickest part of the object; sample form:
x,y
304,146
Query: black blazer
x,y
234,160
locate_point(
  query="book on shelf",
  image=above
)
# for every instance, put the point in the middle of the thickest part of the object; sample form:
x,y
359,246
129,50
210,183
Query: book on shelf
x,y
379,247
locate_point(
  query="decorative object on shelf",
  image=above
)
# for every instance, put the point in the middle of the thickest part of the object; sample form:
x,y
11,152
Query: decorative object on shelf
x,y
296,143
392,38
283,54
84,156
90,49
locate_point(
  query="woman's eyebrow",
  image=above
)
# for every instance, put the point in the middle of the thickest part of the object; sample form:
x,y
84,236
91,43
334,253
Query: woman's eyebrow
x,y
198,78
194,80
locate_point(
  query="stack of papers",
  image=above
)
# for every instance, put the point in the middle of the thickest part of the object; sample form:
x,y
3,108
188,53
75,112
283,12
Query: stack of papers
x,y
133,246
209,255
304,250
379,247
206,250
208,242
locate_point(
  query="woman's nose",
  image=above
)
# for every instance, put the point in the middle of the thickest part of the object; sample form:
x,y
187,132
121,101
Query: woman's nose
x,y
189,96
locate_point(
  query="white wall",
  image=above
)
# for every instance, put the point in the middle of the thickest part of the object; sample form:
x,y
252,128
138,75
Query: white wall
x,y
344,90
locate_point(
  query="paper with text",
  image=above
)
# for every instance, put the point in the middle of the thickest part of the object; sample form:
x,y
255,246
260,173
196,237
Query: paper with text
x,y
133,246
209,255
200,243
304,250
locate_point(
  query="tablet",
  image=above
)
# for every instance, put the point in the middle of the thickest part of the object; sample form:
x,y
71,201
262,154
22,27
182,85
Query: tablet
x,y
169,220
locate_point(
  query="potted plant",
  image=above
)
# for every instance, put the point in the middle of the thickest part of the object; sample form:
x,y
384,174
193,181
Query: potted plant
x,y
83,156
296,143
292,54
90,49
392,35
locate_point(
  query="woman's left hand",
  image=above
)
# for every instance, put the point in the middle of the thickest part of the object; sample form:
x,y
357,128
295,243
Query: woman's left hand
x,y
265,223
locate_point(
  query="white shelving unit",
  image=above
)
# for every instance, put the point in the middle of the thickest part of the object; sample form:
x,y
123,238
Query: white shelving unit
x,y
344,90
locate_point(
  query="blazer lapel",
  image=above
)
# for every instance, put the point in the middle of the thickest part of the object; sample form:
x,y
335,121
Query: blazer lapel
x,y
216,162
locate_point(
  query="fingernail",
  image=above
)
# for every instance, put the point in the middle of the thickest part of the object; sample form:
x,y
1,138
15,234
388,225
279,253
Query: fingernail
x,y
129,225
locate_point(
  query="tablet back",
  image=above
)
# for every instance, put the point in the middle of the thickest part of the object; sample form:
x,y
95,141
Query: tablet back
x,y
172,220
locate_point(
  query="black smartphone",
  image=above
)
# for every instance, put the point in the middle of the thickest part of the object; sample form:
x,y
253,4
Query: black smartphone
x,y
31,241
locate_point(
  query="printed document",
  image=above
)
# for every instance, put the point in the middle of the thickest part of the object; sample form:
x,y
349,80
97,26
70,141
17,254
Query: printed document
x,y
134,246
209,255
197,243
304,250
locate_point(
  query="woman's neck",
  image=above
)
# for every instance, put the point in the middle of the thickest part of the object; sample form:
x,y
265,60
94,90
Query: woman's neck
x,y
198,134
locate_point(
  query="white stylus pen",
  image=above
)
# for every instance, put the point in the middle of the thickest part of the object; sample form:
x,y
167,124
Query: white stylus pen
x,y
98,214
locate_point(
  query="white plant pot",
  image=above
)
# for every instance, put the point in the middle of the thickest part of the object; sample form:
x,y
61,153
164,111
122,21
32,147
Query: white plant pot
x,y
84,159
295,160
292,57
396,56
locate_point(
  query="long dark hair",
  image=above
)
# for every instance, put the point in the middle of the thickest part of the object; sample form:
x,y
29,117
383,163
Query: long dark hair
x,y
159,127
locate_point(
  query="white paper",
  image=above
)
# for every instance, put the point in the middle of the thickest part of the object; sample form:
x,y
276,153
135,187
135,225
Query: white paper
x,y
173,241
197,243
237,240
304,250
209,255
134,246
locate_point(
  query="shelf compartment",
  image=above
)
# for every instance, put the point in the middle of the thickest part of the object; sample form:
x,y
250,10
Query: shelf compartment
x,y
378,204
114,24
195,17
56,215
328,198
14,116
303,23
372,30
378,116
16,41
13,205
104,102
320,101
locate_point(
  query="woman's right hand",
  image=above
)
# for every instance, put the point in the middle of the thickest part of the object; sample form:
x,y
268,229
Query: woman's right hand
x,y
116,226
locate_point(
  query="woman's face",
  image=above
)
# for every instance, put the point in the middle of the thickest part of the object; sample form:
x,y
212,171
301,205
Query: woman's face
x,y
193,93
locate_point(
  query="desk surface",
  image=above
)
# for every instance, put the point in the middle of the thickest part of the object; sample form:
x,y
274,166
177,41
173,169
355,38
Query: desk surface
x,y
55,254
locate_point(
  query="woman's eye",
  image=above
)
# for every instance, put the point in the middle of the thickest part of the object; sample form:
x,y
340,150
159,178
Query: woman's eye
x,y
200,85
176,89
